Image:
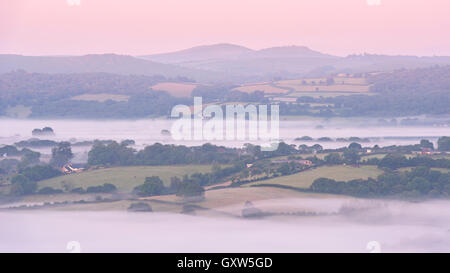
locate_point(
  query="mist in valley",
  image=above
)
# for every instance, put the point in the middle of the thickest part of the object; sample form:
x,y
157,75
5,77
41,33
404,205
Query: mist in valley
x,y
148,131
370,225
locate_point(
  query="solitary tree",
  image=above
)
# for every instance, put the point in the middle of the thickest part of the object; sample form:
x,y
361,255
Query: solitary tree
x,y
62,154
351,156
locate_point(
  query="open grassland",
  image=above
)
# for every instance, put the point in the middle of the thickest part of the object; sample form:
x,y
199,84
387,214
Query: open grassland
x,y
442,170
101,97
369,156
179,90
266,88
340,173
124,178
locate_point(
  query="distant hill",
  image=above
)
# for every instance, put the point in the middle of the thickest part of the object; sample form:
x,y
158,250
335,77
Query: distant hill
x,y
201,54
93,63
240,64
221,63
289,52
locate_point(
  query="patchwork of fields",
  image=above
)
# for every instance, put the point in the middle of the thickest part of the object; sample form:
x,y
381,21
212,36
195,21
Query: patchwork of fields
x,y
312,87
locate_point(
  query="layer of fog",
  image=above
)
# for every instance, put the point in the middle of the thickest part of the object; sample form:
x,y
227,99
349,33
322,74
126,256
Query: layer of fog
x,y
147,132
395,226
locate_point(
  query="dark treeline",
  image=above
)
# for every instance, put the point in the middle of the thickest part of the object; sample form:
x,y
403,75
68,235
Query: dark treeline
x,y
396,161
115,154
152,103
22,87
49,95
420,181
119,154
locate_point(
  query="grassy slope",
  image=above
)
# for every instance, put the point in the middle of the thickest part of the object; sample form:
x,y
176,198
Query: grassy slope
x,y
125,178
340,173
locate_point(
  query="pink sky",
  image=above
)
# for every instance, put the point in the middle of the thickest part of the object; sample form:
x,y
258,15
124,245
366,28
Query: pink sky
x,y
341,27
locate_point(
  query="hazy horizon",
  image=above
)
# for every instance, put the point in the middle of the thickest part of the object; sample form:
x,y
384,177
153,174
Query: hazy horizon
x,y
79,27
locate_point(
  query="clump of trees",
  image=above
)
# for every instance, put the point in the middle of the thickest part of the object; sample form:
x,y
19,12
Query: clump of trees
x,y
46,131
186,187
444,143
140,207
105,188
395,161
22,185
25,182
50,190
152,186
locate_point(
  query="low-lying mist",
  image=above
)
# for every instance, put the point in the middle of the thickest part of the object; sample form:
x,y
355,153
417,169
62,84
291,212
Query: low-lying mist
x,y
352,227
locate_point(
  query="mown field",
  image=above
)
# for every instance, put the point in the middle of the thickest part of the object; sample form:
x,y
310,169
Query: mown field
x,y
124,178
306,178
176,89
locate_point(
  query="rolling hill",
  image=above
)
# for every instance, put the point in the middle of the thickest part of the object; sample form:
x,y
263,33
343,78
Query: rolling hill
x,y
94,63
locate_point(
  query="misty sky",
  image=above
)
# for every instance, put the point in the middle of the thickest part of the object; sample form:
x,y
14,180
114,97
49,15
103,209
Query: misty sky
x,y
63,27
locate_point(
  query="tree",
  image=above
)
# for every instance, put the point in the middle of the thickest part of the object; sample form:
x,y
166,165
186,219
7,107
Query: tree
x,y
444,143
355,146
140,207
29,158
61,154
351,156
21,185
425,143
187,189
393,161
152,186
105,188
333,158
40,172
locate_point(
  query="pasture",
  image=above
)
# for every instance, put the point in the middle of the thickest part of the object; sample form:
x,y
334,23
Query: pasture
x,y
124,178
340,173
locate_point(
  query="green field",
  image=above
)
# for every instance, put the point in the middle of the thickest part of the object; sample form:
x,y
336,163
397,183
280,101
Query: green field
x,y
369,156
340,173
124,178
